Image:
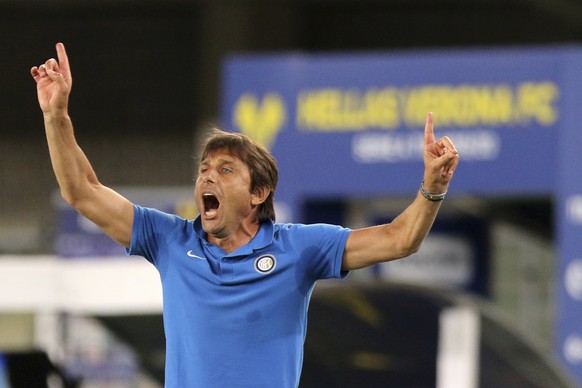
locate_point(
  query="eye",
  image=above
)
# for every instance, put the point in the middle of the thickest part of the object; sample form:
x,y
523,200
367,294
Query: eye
x,y
226,170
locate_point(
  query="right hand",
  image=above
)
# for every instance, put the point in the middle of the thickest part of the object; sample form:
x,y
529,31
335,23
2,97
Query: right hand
x,y
53,83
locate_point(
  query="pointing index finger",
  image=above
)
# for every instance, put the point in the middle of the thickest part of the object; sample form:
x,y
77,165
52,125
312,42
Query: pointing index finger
x,y
429,130
63,61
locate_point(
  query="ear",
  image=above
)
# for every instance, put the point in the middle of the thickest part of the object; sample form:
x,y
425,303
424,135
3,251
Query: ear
x,y
260,195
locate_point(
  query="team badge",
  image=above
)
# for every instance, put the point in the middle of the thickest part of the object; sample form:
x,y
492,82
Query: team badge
x,y
265,264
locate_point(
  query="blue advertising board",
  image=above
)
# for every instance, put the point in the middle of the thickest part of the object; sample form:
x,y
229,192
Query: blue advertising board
x,y
568,196
351,126
77,237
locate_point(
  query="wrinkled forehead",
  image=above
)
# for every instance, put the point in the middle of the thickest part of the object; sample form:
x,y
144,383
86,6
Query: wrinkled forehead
x,y
223,154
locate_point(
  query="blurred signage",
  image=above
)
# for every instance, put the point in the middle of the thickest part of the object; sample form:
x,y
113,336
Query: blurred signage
x,y
568,195
455,255
78,237
353,124
443,261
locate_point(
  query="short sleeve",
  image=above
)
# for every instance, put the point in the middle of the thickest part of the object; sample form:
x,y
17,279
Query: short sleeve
x,y
150,231
323,245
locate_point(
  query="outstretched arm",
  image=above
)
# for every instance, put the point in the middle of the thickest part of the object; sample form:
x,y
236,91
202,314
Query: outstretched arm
x,y
77,180
404,235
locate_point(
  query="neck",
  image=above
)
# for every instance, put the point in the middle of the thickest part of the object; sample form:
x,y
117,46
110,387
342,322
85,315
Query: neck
x,y
233,241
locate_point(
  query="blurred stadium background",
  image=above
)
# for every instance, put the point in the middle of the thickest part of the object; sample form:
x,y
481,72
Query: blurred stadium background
x,y
147,82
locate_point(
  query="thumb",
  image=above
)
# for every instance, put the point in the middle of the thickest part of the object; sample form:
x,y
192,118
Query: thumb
x,y
52,70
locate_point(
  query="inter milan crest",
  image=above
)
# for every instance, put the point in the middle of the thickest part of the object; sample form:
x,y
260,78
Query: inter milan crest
x,y
265,264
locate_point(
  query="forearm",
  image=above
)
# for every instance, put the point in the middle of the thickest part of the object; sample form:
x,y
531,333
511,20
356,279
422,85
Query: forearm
x,y
73,171
76,178
395,240
413,225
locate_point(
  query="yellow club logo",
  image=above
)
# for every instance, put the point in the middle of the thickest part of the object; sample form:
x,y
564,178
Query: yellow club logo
x,y
260,120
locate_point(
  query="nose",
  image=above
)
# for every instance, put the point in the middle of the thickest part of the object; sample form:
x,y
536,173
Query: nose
x,y
208,175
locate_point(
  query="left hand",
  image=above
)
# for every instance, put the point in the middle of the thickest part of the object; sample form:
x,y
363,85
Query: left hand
x,y
440,159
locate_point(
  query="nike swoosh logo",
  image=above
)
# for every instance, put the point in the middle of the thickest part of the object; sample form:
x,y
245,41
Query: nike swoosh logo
x,y
189,253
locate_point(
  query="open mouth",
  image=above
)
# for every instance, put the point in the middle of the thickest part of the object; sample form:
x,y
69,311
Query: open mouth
x,y
211,204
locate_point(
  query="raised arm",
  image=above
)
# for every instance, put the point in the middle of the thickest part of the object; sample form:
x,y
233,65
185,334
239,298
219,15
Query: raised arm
x,y
77,180
404,235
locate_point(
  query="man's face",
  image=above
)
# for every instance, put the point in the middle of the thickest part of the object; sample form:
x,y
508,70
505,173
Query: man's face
x,y
222,194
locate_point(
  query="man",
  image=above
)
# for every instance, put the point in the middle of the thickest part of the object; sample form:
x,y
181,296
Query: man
x,y
236,286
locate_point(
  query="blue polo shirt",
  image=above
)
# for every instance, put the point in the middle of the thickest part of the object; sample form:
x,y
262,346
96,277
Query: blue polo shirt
x,y
238,319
